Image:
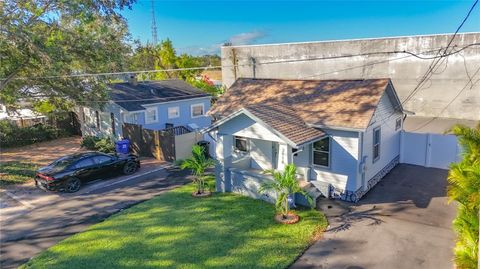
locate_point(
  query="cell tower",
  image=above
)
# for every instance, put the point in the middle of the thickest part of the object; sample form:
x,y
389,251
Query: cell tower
x,y
154,25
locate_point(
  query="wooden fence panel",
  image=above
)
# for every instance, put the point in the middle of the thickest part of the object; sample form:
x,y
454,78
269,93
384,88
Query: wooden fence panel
x,y
167,146
150,143
133,133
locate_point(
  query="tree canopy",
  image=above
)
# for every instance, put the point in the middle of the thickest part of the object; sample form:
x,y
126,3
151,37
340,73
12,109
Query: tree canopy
x,y
164,57
44,38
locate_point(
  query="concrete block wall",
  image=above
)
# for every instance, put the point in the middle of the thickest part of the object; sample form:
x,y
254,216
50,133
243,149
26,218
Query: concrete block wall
x,y
404,70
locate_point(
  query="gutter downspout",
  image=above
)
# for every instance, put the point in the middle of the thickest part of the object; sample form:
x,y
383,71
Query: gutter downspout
x,y
363,160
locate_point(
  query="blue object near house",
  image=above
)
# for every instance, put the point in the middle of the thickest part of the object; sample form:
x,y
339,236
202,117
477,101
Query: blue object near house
x,y
154,105
122,146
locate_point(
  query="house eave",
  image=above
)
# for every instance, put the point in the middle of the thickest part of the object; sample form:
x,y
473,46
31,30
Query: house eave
x,y
176,101
341,128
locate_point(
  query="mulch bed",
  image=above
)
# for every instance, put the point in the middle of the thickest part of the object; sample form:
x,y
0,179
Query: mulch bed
x,y
201,195
290,218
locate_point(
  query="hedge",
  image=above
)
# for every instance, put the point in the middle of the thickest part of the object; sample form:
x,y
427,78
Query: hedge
x,y
11,135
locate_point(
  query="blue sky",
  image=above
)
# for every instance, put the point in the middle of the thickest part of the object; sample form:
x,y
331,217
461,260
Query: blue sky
x,y
200,27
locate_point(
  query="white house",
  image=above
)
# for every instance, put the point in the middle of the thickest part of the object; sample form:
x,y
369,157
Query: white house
x,y
343,135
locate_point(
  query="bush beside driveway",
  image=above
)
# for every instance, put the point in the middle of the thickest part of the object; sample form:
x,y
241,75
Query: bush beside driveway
x,y
176,230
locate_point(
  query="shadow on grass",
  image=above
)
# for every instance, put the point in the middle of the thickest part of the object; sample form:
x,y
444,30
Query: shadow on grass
x,y
15,172
177,230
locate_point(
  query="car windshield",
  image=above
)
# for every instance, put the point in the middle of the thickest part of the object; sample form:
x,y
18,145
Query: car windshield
x,y
63,162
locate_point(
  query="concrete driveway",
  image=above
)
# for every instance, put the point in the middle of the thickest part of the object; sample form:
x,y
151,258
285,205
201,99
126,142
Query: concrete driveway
x,y
404,222
38,227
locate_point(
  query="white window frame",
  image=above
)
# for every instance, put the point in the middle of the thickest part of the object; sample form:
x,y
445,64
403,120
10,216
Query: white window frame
x,y
171,109
235,138
135,117
150,109
379,143
128,117
329,152
195,105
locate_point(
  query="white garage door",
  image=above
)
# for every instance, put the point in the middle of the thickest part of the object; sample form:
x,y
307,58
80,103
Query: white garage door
x,y
429,150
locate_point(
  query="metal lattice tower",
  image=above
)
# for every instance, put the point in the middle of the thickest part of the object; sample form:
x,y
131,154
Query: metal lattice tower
x,y
154,25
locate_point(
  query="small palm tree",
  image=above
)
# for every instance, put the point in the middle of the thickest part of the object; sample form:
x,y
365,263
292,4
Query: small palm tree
x,y
284,184
464,187
198,163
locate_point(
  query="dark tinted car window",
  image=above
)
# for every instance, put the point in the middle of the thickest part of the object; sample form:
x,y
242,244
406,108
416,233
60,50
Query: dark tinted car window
x,y
99,159
84,163
63,162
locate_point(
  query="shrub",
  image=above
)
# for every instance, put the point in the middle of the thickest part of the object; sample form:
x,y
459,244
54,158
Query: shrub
x,y
96,143
198,163
105,145
12,135
89,141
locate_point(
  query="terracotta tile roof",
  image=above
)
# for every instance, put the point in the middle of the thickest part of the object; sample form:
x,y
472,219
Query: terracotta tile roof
x,y
335,103
286,122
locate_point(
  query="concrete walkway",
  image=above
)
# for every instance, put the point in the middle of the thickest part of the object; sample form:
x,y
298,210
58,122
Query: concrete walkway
x,y
404,222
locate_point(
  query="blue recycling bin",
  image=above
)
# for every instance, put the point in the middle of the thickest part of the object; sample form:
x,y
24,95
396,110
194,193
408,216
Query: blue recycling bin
x,y
122,146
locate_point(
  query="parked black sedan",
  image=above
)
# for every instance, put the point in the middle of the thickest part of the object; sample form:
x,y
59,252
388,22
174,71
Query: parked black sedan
x,y
70,172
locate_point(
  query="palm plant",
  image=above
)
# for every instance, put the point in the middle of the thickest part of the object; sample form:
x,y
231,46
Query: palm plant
x,y
464,187
285,185
198,163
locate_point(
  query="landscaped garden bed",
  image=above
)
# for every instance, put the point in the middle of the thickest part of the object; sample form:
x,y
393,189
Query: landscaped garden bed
x,y
176,230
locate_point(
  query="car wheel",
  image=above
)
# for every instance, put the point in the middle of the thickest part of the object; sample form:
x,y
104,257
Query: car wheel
x,y
130,168
73,185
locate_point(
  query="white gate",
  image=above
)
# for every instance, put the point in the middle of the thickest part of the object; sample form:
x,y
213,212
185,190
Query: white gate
x,y
429,150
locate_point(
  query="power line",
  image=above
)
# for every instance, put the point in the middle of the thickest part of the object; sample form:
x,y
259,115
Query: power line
x,y
431,69
451,101
409,54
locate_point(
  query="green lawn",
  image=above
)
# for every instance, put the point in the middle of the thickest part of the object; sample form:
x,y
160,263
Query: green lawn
x,y
175,230
16,172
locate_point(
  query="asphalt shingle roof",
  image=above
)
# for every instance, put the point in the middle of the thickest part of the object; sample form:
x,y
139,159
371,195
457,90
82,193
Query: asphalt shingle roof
x,y
335,103
285,121
131,97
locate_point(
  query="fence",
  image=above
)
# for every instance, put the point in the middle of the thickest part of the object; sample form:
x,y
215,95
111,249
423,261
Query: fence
x,y
184,143
168,145
150,143
429,150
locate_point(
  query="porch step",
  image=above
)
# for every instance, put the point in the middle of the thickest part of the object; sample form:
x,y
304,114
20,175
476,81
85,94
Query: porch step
x,y
322,187
311,190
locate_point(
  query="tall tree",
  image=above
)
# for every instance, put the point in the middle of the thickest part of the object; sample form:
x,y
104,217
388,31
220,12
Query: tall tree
x,y
44,42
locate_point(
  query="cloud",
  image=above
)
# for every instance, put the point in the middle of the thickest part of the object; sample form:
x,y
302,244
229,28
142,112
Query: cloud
x,y
246,38
201,50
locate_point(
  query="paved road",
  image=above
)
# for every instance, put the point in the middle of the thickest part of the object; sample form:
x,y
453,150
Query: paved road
x,y
24,236
404,222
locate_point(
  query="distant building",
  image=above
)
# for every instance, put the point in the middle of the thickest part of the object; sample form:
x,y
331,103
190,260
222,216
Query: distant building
x,y
154,105
22,117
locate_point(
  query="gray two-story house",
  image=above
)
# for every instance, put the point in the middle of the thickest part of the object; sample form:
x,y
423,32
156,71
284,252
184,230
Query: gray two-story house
x,y
154,105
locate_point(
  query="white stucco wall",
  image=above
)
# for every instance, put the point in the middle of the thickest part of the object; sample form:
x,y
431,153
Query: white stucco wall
x,y
261,154
342,172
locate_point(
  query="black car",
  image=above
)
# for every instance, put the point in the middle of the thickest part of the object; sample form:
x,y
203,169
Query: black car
x,y
70,172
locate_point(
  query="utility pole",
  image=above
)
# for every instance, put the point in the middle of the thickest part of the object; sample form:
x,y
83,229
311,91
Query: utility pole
x,y
154,25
